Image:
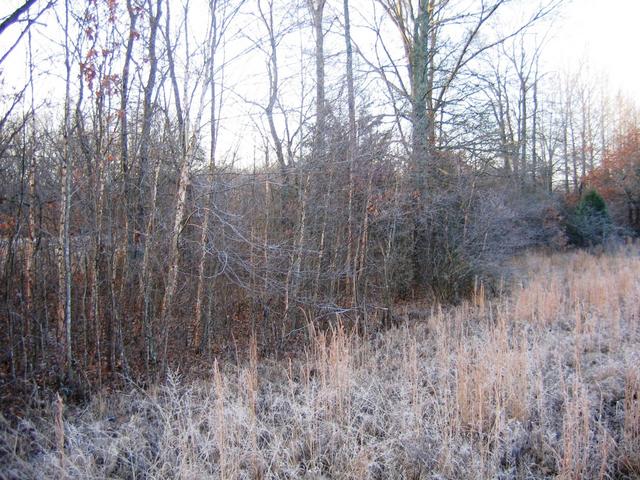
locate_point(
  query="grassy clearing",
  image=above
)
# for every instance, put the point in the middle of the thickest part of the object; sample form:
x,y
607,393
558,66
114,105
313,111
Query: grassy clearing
x,y
541,383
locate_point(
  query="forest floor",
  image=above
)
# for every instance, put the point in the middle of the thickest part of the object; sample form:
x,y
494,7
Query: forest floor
x,y
542,382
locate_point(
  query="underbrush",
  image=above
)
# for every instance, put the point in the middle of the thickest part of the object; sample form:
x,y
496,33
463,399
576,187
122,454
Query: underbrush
x,y
541,383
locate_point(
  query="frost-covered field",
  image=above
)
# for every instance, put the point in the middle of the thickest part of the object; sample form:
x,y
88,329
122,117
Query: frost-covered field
x,y
543,382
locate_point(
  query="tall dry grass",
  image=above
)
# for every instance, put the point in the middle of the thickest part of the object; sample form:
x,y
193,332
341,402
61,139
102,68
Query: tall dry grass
x,y
540,383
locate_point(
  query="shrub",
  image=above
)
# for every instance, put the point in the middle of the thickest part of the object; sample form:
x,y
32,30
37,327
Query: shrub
x,y
471,230
590,223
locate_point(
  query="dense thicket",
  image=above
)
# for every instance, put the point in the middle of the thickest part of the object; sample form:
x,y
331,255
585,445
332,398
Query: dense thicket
x,y
131,240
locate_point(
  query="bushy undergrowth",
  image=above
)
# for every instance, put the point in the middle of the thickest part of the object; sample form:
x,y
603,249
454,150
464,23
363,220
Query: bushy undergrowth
x,y
466,234
540,384
590,224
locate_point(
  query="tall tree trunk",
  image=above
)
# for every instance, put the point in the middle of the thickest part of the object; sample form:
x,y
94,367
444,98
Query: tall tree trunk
x,y
186,148
148,105
95,315
145,287
323,231
213,129
145,140
419,79
534,131
522,136
565,153
124,135
181,196
293,273
583,137
359,261
317,14
64,256
352,139
274,84
30,254
574,155
421,175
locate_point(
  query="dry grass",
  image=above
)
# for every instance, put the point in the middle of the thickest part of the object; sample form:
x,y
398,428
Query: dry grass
x,y
541,383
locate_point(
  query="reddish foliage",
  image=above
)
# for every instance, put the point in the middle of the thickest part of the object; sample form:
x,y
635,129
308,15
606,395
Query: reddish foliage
x,y
618,178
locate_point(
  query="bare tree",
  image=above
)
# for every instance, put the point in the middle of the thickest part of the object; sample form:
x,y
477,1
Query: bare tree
x,y
351,150
64,254
144,149
15,17
316,8
222,14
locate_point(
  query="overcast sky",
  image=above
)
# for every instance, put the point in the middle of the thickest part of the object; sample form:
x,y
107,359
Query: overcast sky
x,y
604,33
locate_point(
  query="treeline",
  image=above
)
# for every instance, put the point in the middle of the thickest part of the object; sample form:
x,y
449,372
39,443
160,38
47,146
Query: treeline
x,y
131,241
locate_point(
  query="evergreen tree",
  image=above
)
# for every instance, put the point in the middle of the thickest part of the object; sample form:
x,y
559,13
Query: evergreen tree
x,y
590,223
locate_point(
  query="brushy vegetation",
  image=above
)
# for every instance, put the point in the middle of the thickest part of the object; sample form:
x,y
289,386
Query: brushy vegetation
x,y
542,382
590,223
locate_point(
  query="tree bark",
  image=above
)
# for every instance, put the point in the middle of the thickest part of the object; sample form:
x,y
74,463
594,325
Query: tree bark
x,y
317,13
64,256
352,139
181,195
213,126
145,139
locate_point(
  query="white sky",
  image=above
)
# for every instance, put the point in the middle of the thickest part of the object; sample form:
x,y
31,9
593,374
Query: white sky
x,y
606,34
602,34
